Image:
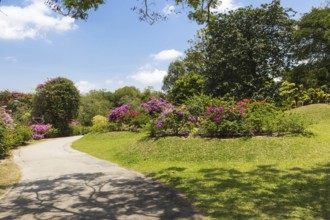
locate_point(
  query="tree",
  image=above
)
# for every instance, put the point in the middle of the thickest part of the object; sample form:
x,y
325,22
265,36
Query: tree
x,y
95,102
127,95
175,70
245,49
57,101
188,85
200,10
312,53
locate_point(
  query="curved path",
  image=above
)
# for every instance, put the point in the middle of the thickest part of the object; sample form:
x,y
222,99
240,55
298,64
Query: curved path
x,y
61,183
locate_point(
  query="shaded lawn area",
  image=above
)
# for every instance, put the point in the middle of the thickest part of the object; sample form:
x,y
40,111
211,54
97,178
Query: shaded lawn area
x,y
256,178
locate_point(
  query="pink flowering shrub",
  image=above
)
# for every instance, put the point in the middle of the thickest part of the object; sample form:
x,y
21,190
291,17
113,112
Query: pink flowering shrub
x,y
122,115
156,106
39,130
75,123
225,119
5,118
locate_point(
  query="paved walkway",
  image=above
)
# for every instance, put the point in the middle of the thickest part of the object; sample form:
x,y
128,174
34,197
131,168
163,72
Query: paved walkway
x,y
61,183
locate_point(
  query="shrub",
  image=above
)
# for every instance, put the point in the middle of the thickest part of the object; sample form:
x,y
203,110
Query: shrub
x,y
52,133
79,130
40,130
104,127
156,106
99,119
122,115
26,133
224,121
139,122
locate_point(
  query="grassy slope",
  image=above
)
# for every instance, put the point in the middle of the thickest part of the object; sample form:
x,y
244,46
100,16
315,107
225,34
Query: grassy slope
x,y
257,178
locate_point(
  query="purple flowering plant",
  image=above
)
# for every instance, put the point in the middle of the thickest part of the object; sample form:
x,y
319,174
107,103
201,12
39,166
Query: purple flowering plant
x,y
156,106
174,121
122,114
5,118
39,130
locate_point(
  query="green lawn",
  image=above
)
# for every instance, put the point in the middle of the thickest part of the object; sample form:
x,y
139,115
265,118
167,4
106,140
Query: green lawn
x,y
254,178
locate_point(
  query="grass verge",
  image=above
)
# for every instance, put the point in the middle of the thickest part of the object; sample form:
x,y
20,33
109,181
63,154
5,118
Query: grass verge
x,y
255,178
9,174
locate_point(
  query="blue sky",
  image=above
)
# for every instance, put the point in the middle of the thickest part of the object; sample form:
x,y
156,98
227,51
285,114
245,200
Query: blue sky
x,y
108,51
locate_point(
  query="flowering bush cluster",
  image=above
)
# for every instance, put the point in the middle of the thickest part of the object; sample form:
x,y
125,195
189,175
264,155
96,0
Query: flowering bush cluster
x,y
5,118
39,130
222,119
122,115
156,106
75,123
11,134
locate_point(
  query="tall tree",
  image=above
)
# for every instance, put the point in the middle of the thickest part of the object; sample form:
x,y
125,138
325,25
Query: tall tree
x,y
95,102
175,70
246,49
57,101
312,38
187,86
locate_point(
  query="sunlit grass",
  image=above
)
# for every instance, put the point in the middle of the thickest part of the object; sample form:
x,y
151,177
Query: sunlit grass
x,y
255,178
9,174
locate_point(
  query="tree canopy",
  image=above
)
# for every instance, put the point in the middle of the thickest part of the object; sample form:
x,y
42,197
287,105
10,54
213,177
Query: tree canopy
x,y
312,52
57,101
244,50
199,10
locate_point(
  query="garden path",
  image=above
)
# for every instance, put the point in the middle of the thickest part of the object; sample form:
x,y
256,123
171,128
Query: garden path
x,y
61,183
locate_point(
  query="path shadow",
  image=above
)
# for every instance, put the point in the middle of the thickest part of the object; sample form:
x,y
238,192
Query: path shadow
x,y
95,196
266,192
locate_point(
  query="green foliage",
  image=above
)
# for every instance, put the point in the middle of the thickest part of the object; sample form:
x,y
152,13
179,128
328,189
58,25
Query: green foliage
x,y
140,121
79,130
52,133
198,104
95,102
25,132
98,119
175,71
200,10
21,110
104,127
17,136
57,101
244,50
188,85
292,95
312,50
128,95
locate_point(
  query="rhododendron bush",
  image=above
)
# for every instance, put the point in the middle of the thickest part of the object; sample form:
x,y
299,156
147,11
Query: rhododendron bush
x,y
40,130
218,118
11,133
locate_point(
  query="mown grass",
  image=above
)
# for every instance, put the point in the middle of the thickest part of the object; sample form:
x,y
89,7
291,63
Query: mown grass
x,y
255,178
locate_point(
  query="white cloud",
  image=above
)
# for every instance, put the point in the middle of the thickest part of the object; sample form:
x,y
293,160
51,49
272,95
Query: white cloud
x,y
11,59
148,76
167,55
169,9
226,5
108,82
85,86
31,21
